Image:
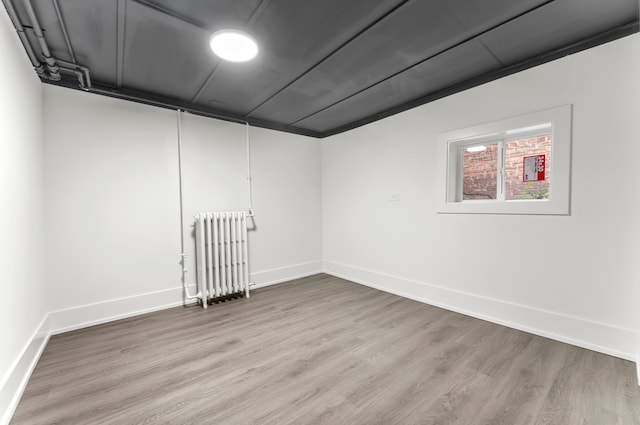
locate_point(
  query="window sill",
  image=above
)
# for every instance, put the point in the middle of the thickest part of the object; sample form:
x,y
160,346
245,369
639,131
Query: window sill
x,y
529,206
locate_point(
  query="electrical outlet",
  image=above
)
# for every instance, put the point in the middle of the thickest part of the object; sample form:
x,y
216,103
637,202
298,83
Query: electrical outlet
x,y
394,197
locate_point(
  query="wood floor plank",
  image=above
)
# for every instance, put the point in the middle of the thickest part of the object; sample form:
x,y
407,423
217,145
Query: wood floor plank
x,y
322,350
514,401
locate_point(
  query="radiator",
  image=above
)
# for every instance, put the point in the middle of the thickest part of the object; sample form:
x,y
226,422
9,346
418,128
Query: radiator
x,y
222,255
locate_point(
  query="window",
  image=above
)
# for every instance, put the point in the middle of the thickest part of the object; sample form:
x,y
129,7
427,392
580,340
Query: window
x,y
519,165
480,171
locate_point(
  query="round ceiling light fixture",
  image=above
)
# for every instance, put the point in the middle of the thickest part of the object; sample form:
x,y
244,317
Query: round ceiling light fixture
x,y
233,45
477,148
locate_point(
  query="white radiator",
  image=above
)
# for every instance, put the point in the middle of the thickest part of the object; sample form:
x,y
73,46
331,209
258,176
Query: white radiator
x,y
222,255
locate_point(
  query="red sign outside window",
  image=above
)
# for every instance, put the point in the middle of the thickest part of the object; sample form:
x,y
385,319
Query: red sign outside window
x,y
533,168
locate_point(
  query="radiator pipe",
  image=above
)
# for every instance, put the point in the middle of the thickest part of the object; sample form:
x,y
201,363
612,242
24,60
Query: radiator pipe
x,y
54,72
183,255
249,178
250,214
37,65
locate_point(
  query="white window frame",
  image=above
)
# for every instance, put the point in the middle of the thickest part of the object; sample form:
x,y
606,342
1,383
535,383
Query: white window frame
x,y
451,147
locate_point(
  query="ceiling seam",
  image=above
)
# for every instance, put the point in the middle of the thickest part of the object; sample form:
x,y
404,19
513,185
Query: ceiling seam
x,y
172,14
458,44
604,37
333,52
258,11
488,50
462,23
205,84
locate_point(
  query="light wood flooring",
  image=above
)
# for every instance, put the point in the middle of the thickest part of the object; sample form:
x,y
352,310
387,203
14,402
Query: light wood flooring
x,y
322,350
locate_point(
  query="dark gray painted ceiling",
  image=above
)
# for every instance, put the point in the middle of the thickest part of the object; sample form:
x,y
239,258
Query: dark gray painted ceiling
x,y
324,66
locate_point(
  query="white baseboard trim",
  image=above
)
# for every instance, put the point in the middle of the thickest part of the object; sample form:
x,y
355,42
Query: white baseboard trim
x,y
638,370
284,274
638,359
596,336
106,311
16,379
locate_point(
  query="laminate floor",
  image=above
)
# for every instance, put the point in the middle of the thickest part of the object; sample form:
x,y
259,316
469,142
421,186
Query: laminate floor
x,y
322,350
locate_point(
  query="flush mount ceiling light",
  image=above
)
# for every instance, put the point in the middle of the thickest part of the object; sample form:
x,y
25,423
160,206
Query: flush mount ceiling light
x,y
478,148
233,45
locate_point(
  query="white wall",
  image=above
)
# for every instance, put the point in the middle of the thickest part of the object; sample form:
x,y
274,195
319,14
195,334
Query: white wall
x,y
112,215
580,284
22,299
286,191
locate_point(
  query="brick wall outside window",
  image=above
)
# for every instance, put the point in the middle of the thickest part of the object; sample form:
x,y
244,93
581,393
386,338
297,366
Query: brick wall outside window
x,y
480,170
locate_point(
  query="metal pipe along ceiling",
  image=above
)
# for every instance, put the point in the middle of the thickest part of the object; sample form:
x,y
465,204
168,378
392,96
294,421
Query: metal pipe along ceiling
x,y
54,73
82,72
53,65
56,6
23,38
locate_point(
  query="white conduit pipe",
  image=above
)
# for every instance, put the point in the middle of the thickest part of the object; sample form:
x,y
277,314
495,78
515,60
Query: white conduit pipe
x,y
250,214
183,255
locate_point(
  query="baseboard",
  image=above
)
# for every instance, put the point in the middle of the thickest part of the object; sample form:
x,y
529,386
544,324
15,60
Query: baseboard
x,y
284,274
13,386
638,359
638,370
596,336
106,311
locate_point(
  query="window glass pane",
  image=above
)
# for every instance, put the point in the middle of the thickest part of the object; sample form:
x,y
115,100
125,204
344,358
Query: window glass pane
x,y
533,186
480,172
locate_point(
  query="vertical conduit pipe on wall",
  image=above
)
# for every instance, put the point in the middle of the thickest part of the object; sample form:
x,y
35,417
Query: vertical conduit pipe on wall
x,y
183,255
249,171
251,214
